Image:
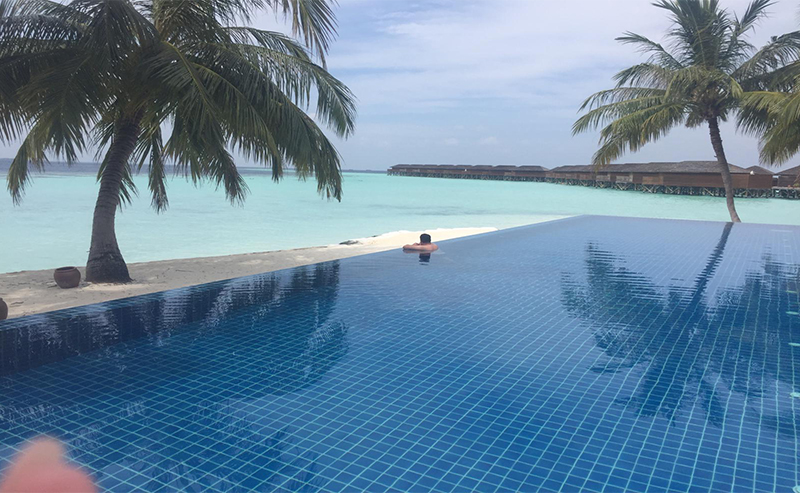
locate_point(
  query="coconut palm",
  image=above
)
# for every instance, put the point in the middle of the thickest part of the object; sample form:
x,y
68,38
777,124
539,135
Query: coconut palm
x,y
697,79
159,82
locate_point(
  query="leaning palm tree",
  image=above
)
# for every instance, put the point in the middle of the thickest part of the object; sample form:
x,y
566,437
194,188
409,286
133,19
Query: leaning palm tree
x,y
698,79
159,82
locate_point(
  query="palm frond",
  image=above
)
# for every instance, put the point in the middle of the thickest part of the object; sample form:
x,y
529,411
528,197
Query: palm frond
x,y
157,175
54,10
197,147
738,49
658,54
608,113
756,10
150,150
645,74
632,131
69,100
108,20
30,153
760,70
618,95
698,82
759,111
295,76
780,143
314,21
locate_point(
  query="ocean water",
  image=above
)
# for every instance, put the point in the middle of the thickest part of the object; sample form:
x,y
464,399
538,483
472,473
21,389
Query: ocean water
x,y
52,226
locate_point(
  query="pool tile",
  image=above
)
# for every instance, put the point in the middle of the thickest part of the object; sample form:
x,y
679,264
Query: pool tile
x,y
591,354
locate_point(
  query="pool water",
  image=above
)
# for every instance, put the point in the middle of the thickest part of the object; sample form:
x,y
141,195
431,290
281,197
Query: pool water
x,y
587,354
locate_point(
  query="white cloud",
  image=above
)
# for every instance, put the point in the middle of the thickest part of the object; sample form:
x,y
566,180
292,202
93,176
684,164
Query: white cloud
x,y
512,66
488,141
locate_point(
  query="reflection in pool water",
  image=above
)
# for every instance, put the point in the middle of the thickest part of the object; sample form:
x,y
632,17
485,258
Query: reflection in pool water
x,y
673,336
177,427
591,354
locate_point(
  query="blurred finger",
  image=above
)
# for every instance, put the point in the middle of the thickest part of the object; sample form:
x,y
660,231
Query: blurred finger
x,y
40,468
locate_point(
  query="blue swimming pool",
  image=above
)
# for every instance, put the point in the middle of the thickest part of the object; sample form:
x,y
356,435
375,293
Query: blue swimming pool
x,y
588,354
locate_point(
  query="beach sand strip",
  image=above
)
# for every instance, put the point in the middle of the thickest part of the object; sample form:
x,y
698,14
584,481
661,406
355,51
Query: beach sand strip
x,y
31,292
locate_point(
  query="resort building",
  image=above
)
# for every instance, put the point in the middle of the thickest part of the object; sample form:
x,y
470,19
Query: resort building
x,y
682,178
788,178
760,171
507,173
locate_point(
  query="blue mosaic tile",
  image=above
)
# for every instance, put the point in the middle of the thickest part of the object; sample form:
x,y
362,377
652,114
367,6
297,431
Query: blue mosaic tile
x,y
589,354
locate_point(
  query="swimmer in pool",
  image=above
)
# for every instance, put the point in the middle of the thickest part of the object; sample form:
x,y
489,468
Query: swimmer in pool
x,y
424,245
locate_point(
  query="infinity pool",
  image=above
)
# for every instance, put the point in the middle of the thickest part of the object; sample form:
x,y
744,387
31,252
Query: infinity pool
x,y
588,354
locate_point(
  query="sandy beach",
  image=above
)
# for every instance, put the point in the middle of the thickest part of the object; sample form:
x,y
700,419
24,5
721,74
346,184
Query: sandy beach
x,y
31,292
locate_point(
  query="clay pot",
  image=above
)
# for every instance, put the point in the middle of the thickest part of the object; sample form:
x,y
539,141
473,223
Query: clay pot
x,y
67,277
3,310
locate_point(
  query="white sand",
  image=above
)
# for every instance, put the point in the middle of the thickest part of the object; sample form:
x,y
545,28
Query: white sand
x,y
30,292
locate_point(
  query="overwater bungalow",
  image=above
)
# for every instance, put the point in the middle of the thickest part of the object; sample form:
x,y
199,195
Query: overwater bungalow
x,y
788,178
758,170
684,178
681,178
479,172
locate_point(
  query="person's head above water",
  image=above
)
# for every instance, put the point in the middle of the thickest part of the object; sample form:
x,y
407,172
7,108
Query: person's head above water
x,y
425,245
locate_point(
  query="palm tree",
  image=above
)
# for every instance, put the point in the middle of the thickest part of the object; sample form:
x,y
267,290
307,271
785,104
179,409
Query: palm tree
x,y
158,82
698,79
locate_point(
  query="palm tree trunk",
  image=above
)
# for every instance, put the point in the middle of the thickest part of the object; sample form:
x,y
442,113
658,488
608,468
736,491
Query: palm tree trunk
x,y
716,142
105,262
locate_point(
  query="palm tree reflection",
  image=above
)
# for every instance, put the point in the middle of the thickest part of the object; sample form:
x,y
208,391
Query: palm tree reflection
x,y
191,405
692,350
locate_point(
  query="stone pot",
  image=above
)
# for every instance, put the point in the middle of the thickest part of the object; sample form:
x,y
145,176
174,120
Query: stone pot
x,y
3,310
67,277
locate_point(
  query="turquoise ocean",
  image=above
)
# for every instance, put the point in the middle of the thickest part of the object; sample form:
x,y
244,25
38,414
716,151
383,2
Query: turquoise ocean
x,y
52,226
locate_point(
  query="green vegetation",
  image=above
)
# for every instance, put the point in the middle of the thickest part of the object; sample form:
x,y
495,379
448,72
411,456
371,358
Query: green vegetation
x,y
117,73
700,78
773,114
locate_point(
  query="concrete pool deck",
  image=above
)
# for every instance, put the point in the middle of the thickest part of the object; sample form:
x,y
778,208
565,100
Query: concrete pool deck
x,y
32,292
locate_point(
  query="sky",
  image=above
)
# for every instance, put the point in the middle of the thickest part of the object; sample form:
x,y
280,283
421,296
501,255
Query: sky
x,y
499,81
